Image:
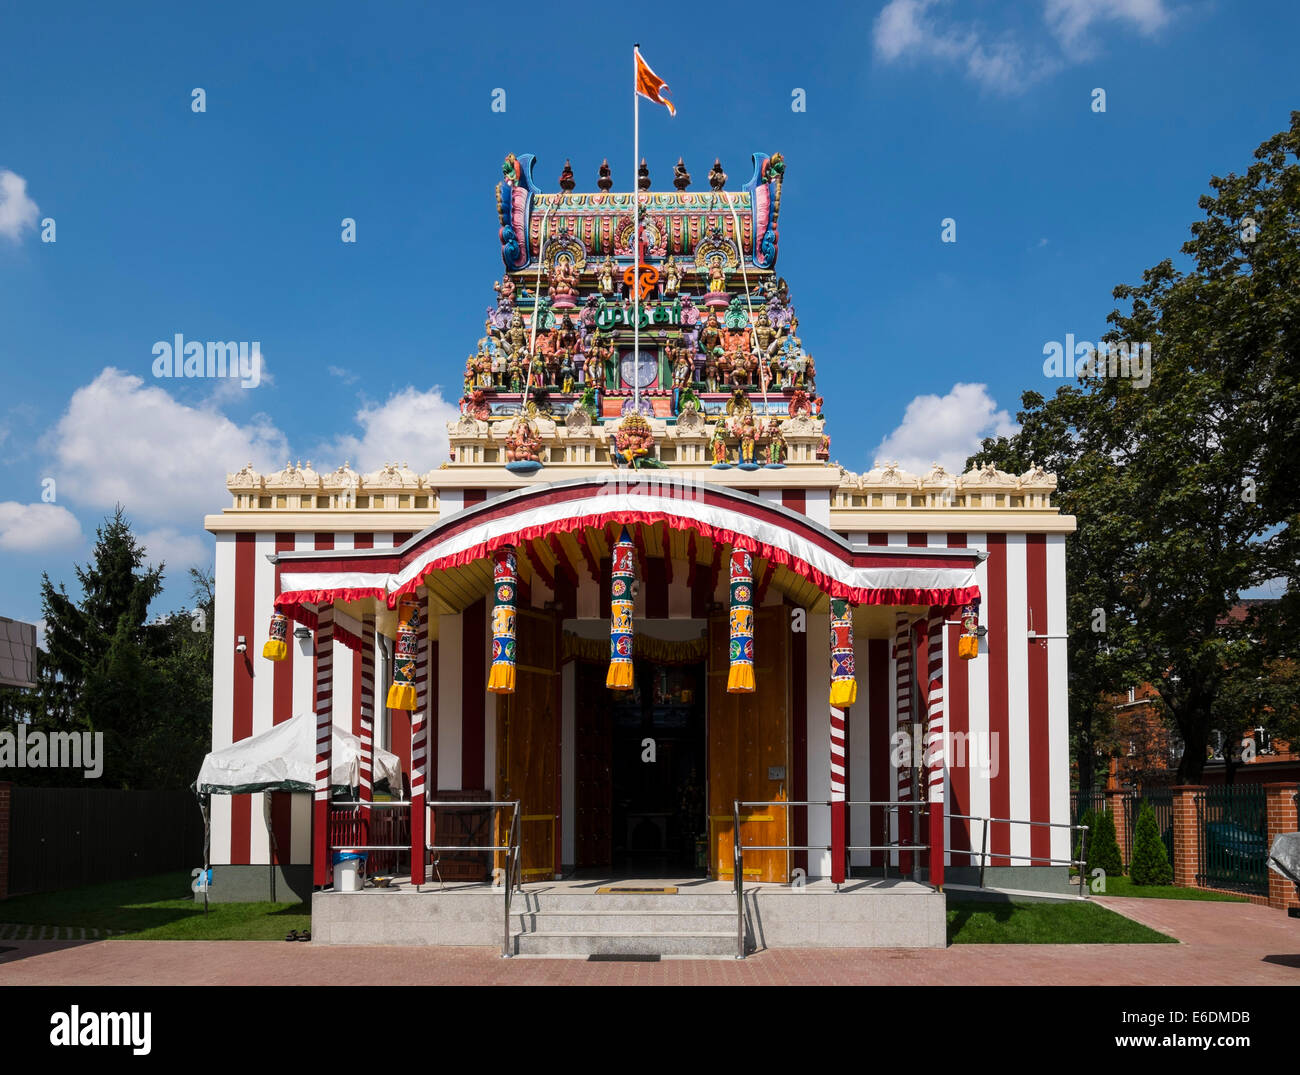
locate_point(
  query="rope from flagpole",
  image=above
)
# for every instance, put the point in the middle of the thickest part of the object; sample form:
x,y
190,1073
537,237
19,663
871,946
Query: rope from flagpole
x,y
537,299
744,275
636,236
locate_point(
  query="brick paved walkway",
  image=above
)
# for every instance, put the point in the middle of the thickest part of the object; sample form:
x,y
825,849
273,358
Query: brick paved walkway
x,y
1223,944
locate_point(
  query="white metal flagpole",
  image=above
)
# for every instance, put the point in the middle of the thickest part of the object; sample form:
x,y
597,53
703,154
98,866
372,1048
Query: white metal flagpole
x,y
636,236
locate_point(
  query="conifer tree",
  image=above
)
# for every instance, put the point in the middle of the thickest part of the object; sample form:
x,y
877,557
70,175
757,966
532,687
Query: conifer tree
x,y
1150,865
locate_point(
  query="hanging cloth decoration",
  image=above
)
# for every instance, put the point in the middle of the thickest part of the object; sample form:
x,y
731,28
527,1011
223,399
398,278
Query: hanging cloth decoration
x,y
276,649
844,685
740,678
622,580
505,582
401,695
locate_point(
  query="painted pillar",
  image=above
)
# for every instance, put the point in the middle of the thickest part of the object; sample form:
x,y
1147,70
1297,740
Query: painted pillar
x,y
935,761
367,710
903,765
420,743
320,852
843,693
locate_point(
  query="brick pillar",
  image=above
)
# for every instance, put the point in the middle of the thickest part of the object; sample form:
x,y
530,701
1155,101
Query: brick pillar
x,y
1115,804
6,801
1187,836
1281,799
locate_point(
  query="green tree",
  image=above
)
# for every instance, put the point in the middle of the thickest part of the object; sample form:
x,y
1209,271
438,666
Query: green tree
x,y
1150,864
1103,847
1182,488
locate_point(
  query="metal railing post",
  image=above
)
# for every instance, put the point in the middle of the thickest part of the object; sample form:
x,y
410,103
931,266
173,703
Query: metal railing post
x,y
984,849
737,875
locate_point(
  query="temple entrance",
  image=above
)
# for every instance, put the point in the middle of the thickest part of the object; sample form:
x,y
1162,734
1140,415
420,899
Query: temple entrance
x,y
641,772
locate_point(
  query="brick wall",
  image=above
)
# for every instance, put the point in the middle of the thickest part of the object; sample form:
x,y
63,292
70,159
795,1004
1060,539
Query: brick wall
x,y
1187,836
1282,817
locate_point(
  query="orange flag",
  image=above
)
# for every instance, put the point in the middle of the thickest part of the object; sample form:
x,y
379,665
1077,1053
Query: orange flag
x,y
650,85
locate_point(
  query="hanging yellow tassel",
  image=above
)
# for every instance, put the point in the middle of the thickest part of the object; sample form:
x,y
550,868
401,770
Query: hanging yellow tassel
x,y
968,647
622,577
844,684
740,677
276,648
968,644
505,580
401,695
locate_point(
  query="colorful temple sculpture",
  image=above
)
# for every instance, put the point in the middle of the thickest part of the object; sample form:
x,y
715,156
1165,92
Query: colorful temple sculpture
x,y
640,591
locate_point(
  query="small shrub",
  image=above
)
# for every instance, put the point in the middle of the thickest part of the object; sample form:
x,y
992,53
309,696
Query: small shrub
x,y
1150,865
1103,847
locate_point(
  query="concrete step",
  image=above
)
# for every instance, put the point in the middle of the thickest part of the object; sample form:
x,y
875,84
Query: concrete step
x,y
663,922
625,942
589,903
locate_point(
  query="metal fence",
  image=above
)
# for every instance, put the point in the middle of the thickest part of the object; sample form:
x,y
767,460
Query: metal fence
x,y
1161,801
65,837
1232,824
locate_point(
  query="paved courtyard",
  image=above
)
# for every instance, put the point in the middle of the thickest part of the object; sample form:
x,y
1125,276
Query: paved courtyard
x,y
1222,944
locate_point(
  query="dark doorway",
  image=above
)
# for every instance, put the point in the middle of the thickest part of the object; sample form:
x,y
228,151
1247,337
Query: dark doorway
x,y
641,772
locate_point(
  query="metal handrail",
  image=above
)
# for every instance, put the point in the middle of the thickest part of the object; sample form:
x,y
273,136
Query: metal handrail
x,y
511,879
1081,862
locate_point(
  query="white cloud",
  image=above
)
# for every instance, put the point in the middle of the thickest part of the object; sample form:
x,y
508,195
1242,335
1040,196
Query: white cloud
x,y
37,527
123,441
411,427
177,550
1070,20
945,429
17,211
346,376
1003,62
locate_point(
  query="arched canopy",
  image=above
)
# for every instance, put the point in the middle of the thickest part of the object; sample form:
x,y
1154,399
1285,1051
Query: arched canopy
x,y
876,575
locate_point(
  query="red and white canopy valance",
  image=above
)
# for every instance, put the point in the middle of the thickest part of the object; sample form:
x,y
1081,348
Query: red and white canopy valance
x,y
879,575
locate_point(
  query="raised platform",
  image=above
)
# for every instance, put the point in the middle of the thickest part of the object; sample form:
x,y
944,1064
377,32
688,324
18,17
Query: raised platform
x,y
571,918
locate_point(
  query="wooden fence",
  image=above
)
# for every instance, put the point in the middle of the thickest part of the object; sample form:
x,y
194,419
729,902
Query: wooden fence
x,y
65,837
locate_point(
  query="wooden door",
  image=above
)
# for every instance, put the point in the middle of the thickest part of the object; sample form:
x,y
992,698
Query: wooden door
x,y
593,754
528,728
749,750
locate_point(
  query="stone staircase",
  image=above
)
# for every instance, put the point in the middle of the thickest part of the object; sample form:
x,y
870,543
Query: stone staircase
x,y
568,923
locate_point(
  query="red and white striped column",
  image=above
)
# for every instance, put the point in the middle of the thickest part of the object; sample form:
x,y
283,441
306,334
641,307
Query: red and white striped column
x,y
420,744
367,709
837,795
903,768
935,739
320,857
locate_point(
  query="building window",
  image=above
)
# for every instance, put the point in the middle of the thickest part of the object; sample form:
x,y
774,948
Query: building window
x,y
1132,694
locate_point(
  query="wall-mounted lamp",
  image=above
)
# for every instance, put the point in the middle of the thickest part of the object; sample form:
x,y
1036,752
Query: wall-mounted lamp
x,y
302,633
240,645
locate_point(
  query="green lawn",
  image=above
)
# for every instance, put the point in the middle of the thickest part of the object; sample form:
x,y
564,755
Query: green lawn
x,y
988,922
1124,886
159,908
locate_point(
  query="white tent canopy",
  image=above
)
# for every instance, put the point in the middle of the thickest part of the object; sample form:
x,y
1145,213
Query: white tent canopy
x,y
283,758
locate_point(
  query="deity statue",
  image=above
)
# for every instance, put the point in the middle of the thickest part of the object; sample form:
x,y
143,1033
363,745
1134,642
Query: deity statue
x,y
681,177
483,365
516,373
505,293
595,369
672,276
605,275
810,374
471,372
566,373
682,371
634,440
764,334
567,338
718,445
800,404
711,371
776,446
710,335
522,442
747,433
515,337
739,402
717,275
564,282
498,368
545,354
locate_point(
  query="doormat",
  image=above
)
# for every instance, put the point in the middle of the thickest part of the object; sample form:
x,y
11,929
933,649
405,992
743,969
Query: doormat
x,y
625,958
636,891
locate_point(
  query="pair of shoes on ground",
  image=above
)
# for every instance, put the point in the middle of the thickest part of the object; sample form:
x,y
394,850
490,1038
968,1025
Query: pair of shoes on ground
x,y
295,935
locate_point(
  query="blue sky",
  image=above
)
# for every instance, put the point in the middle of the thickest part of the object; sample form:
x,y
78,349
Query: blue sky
x,y
225,224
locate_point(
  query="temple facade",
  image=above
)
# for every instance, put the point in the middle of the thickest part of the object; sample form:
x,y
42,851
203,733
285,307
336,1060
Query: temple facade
x,y
641,591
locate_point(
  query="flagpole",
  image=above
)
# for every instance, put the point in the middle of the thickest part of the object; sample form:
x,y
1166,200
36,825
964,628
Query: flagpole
x,y
636,237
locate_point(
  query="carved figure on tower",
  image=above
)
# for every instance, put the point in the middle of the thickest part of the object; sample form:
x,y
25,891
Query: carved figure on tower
x,y
605,275
672,277
717,177
563,291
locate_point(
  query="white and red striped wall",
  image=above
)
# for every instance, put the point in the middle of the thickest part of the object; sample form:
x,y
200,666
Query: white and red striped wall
x,y
1015,692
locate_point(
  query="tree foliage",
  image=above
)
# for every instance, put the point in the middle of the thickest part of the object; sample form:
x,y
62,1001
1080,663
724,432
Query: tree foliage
x,y
1103,846
145,685
1182,489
